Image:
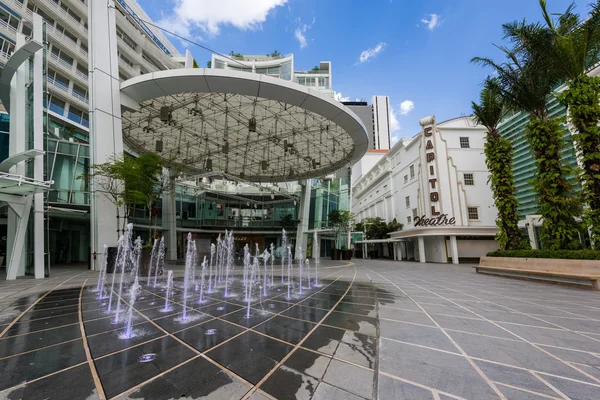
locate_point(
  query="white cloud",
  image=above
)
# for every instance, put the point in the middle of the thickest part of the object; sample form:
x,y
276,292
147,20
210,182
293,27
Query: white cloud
x,y
431,20
406,106
369,53
300,31
338,96
394,124
210,15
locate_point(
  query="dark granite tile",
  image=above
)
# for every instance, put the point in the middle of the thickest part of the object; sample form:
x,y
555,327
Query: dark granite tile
x,y
220,308
110,342
357,348
40,324
75,383
308,363
328,392
250,355
369,311
306,313
286,329
175,323
122,371
23,368
198,338
106,324
256,317
324,339
19,344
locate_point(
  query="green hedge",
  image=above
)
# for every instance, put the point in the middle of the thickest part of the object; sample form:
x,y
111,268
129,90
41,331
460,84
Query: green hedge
x,y
556,254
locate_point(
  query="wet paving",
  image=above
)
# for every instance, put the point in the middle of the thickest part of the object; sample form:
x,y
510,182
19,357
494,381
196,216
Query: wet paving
x,y
372,329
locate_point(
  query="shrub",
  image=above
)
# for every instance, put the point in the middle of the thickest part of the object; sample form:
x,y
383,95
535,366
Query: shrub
x,y
555,254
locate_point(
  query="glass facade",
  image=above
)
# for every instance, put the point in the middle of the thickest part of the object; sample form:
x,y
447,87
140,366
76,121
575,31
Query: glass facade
x,y
66,163
524,167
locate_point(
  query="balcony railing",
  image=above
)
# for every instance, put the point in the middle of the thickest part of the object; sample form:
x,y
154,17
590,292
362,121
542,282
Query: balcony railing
x,y
68,18
8,27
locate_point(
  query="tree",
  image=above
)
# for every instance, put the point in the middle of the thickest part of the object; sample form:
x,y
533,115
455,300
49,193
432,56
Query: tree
x,y
239,56
377,228
576,48
341,221
209,64
275,54
525,81
126,181
498,157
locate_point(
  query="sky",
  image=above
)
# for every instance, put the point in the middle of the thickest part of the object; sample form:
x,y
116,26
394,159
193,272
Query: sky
x,y
416,52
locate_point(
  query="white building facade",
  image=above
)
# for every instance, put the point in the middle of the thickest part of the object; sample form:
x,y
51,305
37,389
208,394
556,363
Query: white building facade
x,y
435,184
377,118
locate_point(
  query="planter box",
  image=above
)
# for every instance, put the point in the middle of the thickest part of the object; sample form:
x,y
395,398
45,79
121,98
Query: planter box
x,y
546,267
336,254
347,254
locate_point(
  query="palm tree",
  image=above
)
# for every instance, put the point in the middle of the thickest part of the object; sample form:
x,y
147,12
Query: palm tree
x,y
576,50
525,81
498,157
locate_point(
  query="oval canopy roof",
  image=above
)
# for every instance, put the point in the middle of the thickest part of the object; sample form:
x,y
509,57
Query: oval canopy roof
x,y
207,124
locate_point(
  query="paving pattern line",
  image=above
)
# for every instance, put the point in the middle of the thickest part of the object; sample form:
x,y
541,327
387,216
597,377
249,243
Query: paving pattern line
x,y
203,354
285,358
37,301
460,349
512,333
88,355
517,335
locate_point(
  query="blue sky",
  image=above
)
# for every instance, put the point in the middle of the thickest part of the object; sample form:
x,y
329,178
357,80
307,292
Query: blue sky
x,y
416,52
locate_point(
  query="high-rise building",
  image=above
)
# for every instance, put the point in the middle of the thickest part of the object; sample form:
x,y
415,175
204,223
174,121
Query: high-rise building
x,y
142,48
279,66
377,120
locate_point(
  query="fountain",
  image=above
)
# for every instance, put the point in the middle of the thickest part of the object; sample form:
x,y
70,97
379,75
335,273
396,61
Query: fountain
x,y
317,256
284,246
115,270
152,260
160,260
125,257
136,256
300,268
290,281
202,273
307,265
272,256
253,271
246,269
218,260
229,247
169,288
102,276
212,256
189,260
266,257
133,293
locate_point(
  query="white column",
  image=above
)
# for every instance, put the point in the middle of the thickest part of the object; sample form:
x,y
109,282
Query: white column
x,y
422,249
38,144
454,249
106,138
17,254
17,145
301,238
394,245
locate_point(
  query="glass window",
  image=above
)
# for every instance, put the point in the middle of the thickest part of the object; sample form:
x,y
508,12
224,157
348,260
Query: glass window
x,y
464,143
473,213
412,171
408,220
415,213
407,199
469,179
405,178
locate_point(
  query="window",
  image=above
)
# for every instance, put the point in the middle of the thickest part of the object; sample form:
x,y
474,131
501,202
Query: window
x,y
469,179
412,171
415,213
464,143
405,178
407,199
408,220
473,213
